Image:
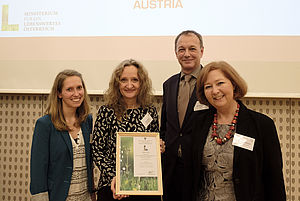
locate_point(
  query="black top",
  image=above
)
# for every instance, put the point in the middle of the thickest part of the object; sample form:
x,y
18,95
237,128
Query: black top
x,y
104,136
257,175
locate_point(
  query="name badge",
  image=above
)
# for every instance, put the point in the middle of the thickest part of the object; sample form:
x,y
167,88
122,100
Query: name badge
x,y
242,141
198,106
147,120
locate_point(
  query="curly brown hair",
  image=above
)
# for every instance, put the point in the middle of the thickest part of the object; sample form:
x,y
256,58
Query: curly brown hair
x,y
113,96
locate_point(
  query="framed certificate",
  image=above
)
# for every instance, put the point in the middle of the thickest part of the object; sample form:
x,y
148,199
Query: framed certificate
x,y
138,164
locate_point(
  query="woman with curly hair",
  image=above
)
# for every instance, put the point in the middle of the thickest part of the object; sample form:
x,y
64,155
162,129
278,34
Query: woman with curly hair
x,y
128,101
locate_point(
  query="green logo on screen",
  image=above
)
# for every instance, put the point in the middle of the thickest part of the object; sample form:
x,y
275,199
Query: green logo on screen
x,y
5,26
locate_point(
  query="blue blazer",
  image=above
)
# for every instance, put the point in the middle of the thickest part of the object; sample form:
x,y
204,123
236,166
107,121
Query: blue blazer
x,y
51,164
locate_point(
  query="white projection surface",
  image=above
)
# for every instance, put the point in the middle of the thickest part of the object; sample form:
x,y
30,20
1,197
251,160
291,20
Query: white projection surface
x,y
150,17
39,38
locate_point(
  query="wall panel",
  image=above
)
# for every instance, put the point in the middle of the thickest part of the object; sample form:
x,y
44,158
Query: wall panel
x,y
18,113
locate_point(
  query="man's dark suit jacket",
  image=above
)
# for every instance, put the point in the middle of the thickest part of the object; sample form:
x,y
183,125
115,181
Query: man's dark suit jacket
x,y
173,135
257,175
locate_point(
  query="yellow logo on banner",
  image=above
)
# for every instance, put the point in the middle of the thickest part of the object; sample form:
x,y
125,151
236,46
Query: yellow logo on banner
x,y
5,25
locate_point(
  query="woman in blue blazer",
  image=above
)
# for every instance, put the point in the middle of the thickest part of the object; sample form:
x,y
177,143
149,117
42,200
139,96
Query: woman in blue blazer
x,y
61,165
236,151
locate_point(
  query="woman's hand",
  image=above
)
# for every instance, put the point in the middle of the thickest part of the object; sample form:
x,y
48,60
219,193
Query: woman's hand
x,y
162,146
113,189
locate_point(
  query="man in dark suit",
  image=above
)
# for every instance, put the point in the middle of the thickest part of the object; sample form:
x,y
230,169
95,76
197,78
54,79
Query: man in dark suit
x,y
179,101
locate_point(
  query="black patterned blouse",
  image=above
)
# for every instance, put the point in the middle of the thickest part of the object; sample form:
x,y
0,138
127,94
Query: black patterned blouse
x,y
104,137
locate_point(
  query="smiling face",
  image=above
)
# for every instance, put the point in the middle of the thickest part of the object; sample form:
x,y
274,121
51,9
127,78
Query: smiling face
x,y
189,52
72,93
129,85
218,90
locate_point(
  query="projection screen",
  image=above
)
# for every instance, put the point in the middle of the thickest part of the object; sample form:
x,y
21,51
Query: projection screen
x,y
40,38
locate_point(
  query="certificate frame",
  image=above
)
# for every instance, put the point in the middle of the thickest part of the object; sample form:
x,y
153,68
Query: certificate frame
x,y
130,160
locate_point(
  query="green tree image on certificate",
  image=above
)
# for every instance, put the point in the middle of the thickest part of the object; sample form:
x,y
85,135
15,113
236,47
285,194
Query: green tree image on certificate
x,y
128,181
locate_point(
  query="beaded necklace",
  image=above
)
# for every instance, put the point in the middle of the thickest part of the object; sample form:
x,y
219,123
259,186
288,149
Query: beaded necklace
x,y
229,134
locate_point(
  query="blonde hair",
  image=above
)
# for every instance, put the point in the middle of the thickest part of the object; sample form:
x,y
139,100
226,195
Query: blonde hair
x,y
54,103
239,84
113,96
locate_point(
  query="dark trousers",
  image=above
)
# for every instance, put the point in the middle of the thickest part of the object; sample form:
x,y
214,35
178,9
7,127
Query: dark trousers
x,y
174,187
105,194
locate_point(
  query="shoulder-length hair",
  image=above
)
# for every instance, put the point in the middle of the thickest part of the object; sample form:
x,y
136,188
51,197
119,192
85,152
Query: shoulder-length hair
x,y
239,84
113,96
55,108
